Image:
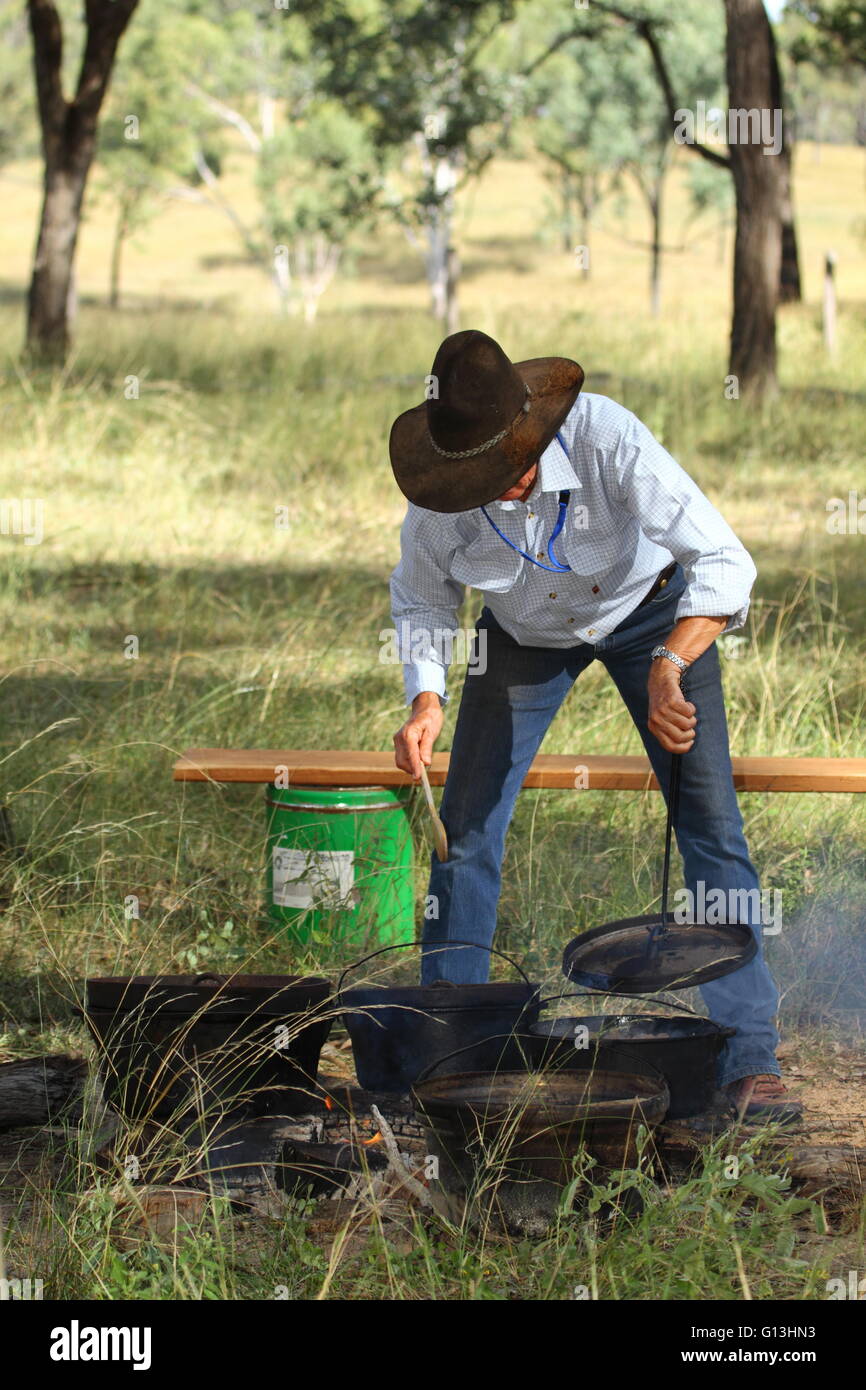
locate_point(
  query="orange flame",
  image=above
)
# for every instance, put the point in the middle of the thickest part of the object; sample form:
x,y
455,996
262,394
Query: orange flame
x,y
329,1104
377,1139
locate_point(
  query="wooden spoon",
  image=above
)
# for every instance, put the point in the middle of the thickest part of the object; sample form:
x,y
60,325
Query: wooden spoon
x,y
440,839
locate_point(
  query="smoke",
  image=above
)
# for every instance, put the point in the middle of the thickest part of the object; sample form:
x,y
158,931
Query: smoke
x,y
819,962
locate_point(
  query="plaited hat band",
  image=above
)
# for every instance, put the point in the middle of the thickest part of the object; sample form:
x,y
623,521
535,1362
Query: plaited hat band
x,y
488,443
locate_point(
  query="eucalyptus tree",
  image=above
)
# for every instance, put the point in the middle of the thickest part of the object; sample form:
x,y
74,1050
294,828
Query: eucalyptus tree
x,y
754,89
316,169
582,139
602,113
68,127
318,179
440,83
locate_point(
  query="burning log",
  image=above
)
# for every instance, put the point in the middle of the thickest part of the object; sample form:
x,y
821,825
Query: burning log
x,y
434,1201
41,1090
325,1169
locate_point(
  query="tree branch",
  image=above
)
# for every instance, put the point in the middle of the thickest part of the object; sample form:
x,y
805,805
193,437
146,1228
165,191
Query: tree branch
x,y
646,29
211,182
47,32
229,115
106,20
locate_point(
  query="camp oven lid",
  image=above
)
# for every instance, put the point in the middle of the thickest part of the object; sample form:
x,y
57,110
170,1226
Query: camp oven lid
x,y
645,954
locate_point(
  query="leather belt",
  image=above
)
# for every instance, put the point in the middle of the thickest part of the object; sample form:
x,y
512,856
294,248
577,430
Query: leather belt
x,y
660,583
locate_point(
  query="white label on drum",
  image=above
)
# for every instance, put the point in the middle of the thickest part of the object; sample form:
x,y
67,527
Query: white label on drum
x,y
323,879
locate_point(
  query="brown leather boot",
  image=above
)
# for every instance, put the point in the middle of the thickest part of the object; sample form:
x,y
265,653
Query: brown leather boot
x,y
764,1098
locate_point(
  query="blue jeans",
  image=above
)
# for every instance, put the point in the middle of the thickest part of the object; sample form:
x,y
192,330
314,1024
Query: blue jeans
x,y
505,711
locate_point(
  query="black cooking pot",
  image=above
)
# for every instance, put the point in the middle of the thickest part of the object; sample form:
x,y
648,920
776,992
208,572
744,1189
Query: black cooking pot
x,y
508,1141
685,1048
176,1046
398,1030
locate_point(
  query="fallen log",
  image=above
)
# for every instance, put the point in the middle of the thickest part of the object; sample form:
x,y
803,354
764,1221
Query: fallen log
x,y
822,1170
836,1172
41,1090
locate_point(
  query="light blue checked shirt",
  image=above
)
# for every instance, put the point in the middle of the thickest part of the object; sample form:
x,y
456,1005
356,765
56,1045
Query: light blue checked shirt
x,y
632,510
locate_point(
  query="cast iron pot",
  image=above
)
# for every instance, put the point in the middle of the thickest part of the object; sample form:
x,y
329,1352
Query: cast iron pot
x,y
398,1030
177,1046
685,1048
506,1142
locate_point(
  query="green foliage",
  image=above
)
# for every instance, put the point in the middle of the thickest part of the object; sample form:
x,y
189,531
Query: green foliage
x,y
19,135
439,78
831,31
319,174
146,134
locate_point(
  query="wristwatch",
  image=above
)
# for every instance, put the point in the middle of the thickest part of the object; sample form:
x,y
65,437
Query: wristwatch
x,y
671,656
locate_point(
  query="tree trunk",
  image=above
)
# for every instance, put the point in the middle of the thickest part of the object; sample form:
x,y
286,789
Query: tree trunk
x,y
790,288
753,84
51,281
567,198
436,258
443,265
452,279
656,251
68,145
587,208
121,228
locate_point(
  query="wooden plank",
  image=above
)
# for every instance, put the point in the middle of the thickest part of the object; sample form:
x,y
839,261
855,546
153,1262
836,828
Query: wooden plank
x,y
351,767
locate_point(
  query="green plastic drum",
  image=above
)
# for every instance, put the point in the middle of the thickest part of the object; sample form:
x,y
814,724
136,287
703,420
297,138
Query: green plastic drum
x,y
339,865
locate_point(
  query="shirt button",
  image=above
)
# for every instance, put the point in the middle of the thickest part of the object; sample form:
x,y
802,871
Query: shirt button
x,y
552,596
539,555
531,515
571,620
595,588
590,632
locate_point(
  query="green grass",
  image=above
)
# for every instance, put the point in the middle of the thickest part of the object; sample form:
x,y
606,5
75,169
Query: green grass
x,y
159,523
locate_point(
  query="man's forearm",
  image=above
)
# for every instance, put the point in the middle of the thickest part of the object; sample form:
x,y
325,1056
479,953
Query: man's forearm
x,y
426,699
691,637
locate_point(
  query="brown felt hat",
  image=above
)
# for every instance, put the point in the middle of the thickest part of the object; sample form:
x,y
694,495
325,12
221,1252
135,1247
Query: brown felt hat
x,y
484,424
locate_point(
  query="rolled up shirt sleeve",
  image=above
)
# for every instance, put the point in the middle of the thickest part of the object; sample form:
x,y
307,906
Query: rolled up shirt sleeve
x,y
424,605
672,511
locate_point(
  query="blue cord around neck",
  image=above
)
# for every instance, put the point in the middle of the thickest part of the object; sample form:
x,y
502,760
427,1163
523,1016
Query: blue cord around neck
x,y
555,566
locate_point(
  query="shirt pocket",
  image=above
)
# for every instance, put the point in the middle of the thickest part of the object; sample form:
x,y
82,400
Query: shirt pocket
x,y
587,558
487,563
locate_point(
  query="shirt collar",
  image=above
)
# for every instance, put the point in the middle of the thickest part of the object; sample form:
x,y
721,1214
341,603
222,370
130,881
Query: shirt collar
x,y
555,472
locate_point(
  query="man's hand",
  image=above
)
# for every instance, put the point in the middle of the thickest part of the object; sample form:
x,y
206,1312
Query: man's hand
x,y
413,744
671,717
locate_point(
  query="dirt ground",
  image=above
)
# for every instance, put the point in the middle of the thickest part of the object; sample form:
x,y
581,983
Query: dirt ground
x,y
831,1082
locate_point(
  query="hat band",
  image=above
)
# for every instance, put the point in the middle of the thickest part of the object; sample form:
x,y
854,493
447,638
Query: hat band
x,y
488,443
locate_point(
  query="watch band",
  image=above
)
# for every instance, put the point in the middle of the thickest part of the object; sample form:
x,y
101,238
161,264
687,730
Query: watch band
x,y
671,656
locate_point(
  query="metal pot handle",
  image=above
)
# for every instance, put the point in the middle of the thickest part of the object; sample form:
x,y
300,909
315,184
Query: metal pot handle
x,y
621,994
424,1074
402,945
